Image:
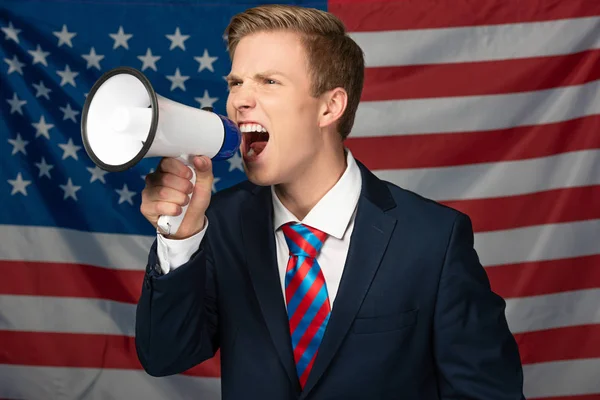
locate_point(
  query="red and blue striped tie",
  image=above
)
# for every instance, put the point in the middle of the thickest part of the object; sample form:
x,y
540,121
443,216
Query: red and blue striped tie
x,y
306,295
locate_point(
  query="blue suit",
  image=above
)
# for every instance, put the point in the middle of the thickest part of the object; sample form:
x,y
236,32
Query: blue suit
x,y
414,317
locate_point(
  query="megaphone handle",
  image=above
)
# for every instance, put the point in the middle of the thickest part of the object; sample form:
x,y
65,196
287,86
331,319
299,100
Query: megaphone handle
x,y
170,224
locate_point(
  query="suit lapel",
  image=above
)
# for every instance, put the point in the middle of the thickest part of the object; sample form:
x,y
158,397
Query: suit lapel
x,y
372,232
259,244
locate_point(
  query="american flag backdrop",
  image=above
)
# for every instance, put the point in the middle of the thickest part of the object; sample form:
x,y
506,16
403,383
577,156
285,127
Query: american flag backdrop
x,y
489,106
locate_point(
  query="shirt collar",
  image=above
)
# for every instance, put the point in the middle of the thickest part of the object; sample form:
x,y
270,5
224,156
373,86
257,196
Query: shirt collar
x,y
333,212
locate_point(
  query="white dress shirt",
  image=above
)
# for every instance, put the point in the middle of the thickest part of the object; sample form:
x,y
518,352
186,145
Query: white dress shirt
x,y
334,214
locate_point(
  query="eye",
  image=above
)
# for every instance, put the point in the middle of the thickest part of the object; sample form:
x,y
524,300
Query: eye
x,y
270,81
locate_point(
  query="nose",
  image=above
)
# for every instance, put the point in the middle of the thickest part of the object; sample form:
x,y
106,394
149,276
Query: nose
x,y
243,98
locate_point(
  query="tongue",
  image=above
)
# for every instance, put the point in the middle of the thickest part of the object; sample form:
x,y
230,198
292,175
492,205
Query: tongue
x,y
258,147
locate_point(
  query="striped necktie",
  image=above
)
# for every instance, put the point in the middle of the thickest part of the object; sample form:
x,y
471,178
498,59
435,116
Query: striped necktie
x,y
306,295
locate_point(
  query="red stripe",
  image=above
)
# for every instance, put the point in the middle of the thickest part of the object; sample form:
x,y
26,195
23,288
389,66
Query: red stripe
x,y
464,148
480,78
571,397
569,343
545,277
50,349
306,301
69,280
547,207
306,372
299,240
311,331
297,279
379,15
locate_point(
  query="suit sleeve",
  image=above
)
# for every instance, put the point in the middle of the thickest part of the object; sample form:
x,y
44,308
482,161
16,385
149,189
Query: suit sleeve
x,y
176,316
476,354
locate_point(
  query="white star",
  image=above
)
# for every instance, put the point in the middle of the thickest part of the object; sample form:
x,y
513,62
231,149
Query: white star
x,y
64,36
67,76
44,168
11,33
19,185
177,80
144,176
120,38
214,188
206,100
149,60
125,195
18,145
39,56
236,162
16,104
177,39
206,61
14,65
69,113
42,128
93,59
69,149
42,90
70,190
97,174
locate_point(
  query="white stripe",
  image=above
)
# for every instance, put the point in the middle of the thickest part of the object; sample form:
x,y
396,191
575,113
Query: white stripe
x,y
498,179
24,382
562,378
66,315
479,43
539,243
476,113
557,310
32,243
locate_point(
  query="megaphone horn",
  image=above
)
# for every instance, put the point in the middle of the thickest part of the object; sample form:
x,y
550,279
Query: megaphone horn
x,y
124,121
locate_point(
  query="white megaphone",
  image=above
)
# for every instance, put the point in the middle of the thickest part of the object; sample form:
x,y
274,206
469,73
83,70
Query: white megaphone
x,y
124,121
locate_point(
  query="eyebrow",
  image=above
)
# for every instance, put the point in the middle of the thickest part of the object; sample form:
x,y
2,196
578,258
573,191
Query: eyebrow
x,y
260,75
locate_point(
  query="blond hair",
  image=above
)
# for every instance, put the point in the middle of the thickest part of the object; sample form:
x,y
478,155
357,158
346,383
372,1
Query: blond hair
x,y
334,59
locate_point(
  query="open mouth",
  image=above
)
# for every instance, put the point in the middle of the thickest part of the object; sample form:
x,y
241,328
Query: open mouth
x,y
256,138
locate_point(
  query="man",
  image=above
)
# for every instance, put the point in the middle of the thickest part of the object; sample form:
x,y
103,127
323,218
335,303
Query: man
x,y
315,279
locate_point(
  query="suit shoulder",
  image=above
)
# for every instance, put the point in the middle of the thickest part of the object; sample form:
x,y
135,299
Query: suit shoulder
x,y
232,197
421,208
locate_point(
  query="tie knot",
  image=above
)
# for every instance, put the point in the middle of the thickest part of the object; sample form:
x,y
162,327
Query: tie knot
x,y
303,240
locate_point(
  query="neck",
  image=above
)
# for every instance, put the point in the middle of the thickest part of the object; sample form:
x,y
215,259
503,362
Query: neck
x,y
313,182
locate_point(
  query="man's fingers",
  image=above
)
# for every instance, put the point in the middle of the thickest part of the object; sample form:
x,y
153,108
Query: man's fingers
x,y
169,180
175,167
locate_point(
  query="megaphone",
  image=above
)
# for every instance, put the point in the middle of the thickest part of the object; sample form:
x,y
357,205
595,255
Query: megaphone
x,y
124,121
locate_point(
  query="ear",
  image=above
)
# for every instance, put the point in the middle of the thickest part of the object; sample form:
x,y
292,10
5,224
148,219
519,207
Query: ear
x,y
333,105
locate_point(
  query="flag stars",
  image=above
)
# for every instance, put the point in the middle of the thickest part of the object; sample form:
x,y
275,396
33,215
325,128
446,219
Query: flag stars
x,y
70,190
42,90
206,100
93,59
69,113
206,61
42,128
14,65
11,33
16,104
44,168
125,195
19,185
215,181
18,145
177,80
177,39
144,176
149,60
236,162
67,76
64,36
120,38
97,174
39,56
69,149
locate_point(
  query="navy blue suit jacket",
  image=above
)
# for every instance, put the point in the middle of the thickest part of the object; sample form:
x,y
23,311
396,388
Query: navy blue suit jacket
x,y
414,317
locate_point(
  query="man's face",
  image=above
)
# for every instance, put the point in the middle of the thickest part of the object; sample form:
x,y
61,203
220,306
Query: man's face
x,y
270,91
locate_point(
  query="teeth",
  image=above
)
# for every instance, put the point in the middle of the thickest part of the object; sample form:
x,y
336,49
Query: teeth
x,y
252,128
250,153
